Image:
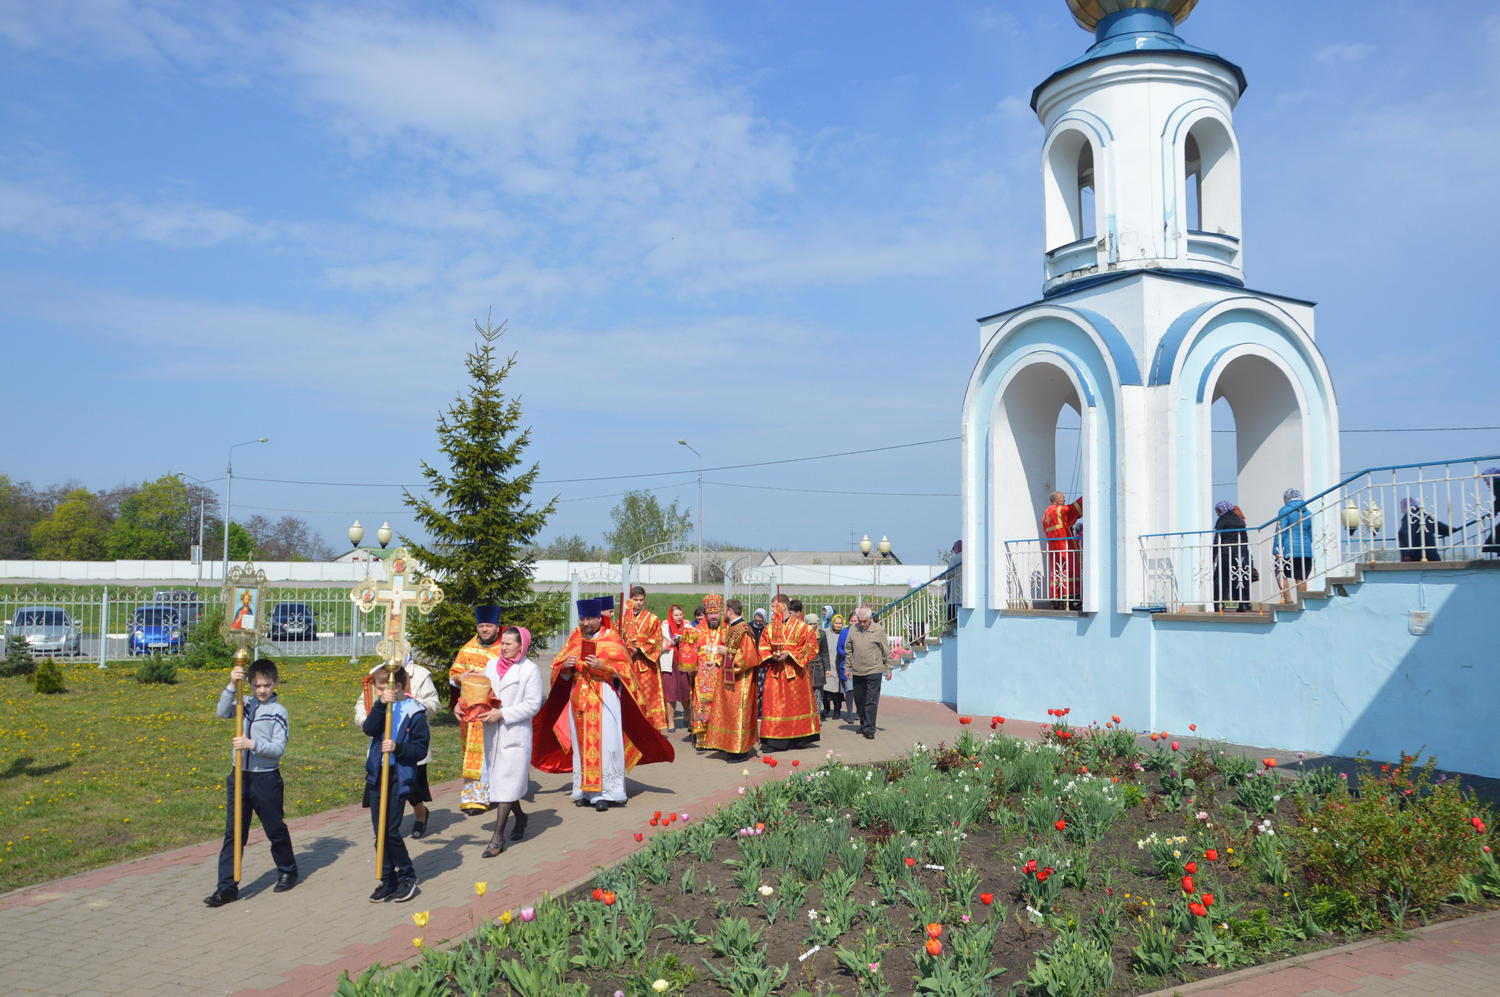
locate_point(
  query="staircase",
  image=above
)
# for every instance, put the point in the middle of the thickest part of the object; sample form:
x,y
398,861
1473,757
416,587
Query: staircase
x,y
919,620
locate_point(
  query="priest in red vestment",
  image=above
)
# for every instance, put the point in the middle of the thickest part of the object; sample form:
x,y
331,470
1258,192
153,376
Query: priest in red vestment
x,y
726,658
641,630
609,735
788,712
1064,550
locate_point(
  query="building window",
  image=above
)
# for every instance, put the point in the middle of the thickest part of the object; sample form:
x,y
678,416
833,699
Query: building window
x,y
1070,184
1211,173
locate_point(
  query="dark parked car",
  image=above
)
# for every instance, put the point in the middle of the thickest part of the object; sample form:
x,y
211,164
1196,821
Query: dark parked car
x,y
292,621
156,629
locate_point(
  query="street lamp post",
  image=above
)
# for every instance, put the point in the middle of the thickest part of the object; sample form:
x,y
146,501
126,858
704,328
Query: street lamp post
x,y
698,575
228,484
356,534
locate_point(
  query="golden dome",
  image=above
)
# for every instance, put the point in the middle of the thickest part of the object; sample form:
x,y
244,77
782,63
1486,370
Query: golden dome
x,y
1088,13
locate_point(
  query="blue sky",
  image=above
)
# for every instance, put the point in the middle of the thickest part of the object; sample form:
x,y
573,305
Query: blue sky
x,y
767,228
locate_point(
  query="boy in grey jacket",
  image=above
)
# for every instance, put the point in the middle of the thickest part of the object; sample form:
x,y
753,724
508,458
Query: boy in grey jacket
x,y
264,742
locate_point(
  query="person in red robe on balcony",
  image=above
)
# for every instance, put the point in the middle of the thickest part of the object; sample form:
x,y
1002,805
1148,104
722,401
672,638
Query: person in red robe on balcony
x,y
1064,550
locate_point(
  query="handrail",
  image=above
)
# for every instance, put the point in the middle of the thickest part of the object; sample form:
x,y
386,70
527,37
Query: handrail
x,y
1309,499
894,604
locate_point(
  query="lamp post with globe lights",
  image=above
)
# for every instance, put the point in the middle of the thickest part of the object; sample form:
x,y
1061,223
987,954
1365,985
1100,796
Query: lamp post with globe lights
x,y
356,534
698,569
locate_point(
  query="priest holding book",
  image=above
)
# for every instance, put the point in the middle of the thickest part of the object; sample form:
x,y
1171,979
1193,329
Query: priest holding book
x,y
609,735
788,713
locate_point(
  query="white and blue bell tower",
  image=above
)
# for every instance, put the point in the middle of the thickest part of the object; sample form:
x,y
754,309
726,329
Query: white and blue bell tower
x,y
1144,320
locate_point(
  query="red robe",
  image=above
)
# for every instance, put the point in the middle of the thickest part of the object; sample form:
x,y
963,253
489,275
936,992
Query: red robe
x,y
642,635
1063,550
787,707
725,695
581,694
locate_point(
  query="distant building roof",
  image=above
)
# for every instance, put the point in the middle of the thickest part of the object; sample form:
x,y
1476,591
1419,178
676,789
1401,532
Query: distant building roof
x,y
362,554
823,557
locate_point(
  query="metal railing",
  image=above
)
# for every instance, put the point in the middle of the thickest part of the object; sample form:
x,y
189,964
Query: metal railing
x,y
927,611
1041,576
105,623
1437,511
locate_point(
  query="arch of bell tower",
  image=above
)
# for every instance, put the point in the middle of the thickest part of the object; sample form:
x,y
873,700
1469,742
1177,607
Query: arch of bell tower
x,y
1140,129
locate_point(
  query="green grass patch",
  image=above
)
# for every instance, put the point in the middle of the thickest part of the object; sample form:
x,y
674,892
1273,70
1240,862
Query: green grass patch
x,y
116,770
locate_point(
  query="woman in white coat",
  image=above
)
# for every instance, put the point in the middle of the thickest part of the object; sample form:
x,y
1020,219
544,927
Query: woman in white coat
x,y
517,686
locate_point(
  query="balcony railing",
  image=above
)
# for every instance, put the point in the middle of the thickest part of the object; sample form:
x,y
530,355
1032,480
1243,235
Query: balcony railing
x,y
1440,511
1039,575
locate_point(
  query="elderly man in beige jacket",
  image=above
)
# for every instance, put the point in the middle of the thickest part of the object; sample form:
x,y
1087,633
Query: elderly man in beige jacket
x,y
867,658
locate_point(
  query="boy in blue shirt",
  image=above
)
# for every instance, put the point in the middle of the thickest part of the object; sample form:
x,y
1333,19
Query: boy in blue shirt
x,y
407,746
264,742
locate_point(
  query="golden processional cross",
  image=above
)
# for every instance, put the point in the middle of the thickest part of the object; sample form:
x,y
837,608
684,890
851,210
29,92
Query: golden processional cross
x,y
395,594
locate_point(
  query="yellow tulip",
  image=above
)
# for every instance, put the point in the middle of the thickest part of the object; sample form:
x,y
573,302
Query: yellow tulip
x,y
420,917
480,887
505,918
416,943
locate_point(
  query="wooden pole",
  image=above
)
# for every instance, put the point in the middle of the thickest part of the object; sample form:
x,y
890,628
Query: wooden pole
x,y
240,657
385,782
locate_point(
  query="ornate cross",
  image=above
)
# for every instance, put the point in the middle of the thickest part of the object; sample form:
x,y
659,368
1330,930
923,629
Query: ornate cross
x,y
395,594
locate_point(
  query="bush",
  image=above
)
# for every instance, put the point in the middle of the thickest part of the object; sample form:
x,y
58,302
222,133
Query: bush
x,y
158,670
1400,845
18,659
49,678
206,646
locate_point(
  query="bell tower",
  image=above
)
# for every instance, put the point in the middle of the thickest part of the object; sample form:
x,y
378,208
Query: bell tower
x,y
1140,165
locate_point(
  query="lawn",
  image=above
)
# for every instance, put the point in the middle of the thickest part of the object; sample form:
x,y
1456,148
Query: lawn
x,y
1078,866
115,770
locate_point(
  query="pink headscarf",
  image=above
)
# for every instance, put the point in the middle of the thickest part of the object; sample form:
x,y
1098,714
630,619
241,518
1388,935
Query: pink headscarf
x,y
502,663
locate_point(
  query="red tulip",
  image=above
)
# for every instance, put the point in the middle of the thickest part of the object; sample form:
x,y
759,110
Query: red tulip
x,y
609,898
598,893
641,837
796,762
934,947
965,720
1187,884
934,930
1174,745
910,862
759,826
1192,726
1029,867
1198,909
1478,824
653,822
656,815
1191,867
1000,720
1041,877
1051,713
1270,762
1115,717
772,763
1208,899
986,898
1060,824
1154,737
1212,855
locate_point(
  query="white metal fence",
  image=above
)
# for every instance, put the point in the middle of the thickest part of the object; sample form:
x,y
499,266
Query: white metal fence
x,y
1443,511
106,623
1039,577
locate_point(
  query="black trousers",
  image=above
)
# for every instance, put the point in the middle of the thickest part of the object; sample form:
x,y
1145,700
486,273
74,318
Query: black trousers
x,y
833,702
263,791
397,862
867,700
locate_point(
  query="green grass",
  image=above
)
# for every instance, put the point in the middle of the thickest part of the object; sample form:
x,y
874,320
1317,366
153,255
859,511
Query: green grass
x,y
116,770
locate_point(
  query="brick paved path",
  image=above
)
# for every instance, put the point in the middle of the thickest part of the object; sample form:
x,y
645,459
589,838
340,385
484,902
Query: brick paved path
x,y
141,927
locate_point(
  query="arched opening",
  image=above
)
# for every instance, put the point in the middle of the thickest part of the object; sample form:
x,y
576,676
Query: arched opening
x,y
1268,451
1069,189
1039,447
1212,179
1224,466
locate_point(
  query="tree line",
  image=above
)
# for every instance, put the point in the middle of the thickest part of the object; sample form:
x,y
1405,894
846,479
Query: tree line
x,y
153,521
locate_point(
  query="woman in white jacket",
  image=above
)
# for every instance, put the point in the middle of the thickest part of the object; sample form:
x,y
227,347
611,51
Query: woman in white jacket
x,y
517,686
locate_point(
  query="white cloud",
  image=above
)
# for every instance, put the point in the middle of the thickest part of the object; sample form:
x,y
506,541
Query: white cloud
x,y
1343,52
56,216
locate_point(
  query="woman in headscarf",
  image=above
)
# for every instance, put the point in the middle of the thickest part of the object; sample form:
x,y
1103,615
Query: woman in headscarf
x,y
757,624
1232,567
832,686
1291,551
1418,533
516,685
676,685
1492,546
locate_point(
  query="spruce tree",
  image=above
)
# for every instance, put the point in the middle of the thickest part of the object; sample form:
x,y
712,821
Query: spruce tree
x,y
479,513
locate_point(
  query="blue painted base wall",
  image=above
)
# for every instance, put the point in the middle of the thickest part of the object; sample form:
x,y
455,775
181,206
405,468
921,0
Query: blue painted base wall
x,y
1343,676
932,676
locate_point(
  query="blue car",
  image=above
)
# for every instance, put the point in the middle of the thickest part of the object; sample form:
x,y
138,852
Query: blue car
x,y
156,629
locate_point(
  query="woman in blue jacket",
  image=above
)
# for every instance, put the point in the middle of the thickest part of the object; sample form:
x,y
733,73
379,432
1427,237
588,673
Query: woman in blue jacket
x,y
1292,550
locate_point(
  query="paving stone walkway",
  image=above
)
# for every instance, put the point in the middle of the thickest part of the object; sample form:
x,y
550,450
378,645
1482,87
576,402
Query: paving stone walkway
x,y
141,928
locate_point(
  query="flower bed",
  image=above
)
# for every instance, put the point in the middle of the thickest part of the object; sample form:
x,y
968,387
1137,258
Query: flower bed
x,y
1079,865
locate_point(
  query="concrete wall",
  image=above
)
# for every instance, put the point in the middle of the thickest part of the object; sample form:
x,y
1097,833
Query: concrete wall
x,y
1346,675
